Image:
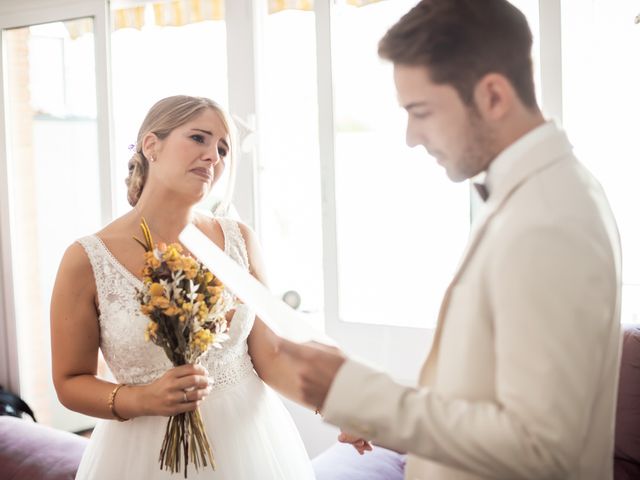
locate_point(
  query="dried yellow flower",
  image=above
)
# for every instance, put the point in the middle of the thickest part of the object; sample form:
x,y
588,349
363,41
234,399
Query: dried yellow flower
x,y
156,290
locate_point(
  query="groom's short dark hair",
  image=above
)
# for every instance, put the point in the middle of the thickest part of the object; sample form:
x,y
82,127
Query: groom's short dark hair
x,y
460,41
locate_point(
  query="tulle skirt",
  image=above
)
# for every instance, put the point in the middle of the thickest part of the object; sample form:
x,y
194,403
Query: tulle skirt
x,y
251,433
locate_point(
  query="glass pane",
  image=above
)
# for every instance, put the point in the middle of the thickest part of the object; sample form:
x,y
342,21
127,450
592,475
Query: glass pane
x,y
158,61
601,75
402,224
54,192
289,168
398,214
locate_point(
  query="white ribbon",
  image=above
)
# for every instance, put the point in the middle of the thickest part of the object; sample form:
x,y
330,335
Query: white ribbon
x,y
277,315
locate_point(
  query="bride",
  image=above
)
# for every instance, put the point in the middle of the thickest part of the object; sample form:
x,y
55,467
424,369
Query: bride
x,y
182,149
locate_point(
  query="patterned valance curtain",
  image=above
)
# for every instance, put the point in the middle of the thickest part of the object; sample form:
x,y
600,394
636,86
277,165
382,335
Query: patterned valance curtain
x,y
184,12
169,13
279,5
132,17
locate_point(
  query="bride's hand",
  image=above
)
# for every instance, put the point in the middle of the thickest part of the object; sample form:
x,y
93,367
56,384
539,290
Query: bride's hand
x,y
180,389
360,444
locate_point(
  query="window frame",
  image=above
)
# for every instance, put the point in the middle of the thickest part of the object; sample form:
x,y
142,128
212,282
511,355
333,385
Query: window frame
x,y
393,348
27,13
390,347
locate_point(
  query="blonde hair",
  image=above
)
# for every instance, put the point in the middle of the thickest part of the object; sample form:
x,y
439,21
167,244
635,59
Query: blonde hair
x,y
165,116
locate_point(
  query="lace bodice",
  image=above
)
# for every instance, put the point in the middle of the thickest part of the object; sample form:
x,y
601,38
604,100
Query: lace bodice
x,y
133,360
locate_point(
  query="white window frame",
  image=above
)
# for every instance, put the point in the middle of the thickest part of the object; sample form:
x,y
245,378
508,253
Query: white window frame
x,y
242,19
550,12
388,347
391,348
394,348
241,44
27,13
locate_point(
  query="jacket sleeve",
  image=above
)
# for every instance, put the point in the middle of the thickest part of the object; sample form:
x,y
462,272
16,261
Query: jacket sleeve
x,y
553,292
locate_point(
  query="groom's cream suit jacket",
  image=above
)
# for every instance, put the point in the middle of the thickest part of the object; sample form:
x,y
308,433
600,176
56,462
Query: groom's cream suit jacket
x,y
521,378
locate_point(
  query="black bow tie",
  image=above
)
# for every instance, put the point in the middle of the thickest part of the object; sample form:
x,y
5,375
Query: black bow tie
x,y
481,188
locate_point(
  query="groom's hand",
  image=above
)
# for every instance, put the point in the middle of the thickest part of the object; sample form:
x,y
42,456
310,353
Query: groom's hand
x,y
316,366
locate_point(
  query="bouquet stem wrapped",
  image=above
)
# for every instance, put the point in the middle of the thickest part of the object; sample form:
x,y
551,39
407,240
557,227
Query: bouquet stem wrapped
x,y
187,306
185,437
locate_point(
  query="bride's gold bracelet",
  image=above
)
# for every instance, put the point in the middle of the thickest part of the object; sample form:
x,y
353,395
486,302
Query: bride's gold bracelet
x,y
112,398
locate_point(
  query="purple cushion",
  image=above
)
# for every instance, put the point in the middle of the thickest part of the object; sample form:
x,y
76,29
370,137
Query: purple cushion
x,y
31,450
342,462
627,447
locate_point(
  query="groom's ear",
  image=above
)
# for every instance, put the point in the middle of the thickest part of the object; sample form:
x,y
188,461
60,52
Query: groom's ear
x,y
494,97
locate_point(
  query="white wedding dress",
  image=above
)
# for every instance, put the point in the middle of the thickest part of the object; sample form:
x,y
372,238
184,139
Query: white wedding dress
x,y
251,433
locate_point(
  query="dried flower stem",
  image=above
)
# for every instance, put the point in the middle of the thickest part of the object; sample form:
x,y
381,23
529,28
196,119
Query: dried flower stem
x,y
185,440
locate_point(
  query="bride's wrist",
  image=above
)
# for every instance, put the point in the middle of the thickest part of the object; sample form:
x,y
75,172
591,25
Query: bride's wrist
x,y
130,402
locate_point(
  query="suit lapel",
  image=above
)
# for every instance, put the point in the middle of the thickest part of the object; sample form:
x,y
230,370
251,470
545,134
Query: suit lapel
x,y
538,158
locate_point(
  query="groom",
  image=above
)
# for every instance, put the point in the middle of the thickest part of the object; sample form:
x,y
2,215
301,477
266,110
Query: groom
x,y
521,378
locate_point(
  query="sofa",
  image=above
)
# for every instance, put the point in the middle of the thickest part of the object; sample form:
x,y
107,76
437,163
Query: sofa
x,y
31,450
342,462
627,446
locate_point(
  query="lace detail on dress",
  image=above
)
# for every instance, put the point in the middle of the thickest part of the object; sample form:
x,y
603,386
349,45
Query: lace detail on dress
x,y
133,360
235,240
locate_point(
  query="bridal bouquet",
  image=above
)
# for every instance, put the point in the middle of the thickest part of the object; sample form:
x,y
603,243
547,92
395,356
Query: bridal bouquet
x,y
186,305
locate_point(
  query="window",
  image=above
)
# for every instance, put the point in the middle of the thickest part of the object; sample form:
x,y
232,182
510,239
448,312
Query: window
x,y
401,223
288,157
601,75
158,54
54,191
